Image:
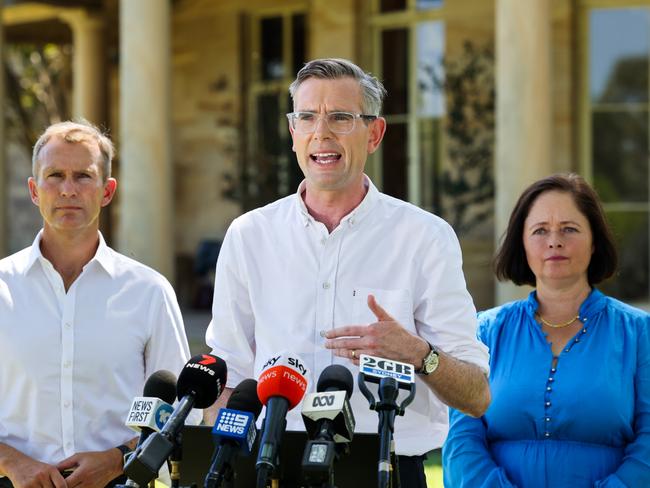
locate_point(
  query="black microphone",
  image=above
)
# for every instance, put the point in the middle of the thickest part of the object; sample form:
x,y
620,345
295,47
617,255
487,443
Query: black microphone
x,y
199,385
329,422
234,431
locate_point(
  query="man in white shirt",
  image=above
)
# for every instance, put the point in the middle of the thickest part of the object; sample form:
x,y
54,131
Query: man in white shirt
x,y
81,326
340,269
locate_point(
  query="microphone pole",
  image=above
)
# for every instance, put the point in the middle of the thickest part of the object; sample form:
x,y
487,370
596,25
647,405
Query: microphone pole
x,y
391,376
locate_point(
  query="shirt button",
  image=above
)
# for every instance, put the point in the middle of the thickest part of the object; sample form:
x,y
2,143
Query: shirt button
x,y
548,404
551,379
548,388
547,434
547,419
66,364
326,286
68,445
553,370
323,241
68,325
66,404
577,339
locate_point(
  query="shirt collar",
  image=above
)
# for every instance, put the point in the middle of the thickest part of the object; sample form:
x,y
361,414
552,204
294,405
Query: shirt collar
x,y
354,217
593,304
102,256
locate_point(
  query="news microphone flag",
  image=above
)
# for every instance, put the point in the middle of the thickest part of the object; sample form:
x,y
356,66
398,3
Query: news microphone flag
x,y
148,413
236,425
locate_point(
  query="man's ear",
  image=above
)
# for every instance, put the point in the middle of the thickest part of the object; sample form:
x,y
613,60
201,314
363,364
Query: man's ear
x,y
33,190
109,191
376,131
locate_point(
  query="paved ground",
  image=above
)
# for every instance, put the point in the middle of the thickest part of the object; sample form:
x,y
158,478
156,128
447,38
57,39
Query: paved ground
x,y
196,321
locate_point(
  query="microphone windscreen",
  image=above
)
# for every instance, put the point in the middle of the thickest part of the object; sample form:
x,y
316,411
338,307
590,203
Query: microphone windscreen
x,y
161,384
284,377
244,398
336,378
203,376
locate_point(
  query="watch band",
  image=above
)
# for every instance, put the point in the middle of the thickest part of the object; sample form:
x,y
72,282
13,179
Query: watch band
x,y
126,452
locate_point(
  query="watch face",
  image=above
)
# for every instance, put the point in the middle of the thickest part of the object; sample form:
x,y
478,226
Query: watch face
x,y
431,363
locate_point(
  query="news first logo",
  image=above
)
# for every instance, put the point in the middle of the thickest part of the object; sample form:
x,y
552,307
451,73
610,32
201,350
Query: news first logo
x,y
148,412
383,368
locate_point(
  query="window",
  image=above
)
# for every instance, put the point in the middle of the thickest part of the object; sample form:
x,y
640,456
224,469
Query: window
x,y
277,51
437,152
618,124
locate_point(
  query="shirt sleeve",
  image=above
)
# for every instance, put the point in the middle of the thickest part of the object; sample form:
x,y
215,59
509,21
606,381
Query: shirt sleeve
x,y
634,471
231,331
466,459
167,347
445,313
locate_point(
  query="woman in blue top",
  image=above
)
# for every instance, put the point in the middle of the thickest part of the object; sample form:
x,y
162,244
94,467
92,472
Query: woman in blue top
x,y
570,367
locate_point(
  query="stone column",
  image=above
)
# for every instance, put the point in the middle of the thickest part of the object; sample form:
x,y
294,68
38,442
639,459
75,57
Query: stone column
x,y
524,108
146,215
89,66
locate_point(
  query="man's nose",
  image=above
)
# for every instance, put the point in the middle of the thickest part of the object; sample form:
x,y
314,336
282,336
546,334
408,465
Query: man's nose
x,y
322,130
68,187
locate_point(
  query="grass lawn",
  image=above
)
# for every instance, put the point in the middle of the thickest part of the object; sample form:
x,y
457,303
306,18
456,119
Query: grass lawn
x,y
433,469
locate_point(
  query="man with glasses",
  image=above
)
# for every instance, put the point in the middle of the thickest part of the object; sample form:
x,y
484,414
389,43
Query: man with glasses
x,y
339,269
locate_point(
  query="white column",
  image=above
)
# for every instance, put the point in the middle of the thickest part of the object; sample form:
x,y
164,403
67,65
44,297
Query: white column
x,y
524,109
146,214
89,66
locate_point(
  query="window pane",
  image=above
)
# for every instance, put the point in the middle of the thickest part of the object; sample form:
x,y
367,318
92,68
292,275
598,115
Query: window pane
x,y
430,135
392,5
618,59
428,4
620,156
271,48
631,231
299,42
395,161
430,70
395,69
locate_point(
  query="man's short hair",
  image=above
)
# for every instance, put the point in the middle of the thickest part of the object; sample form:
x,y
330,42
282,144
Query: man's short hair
x,y
75,132
333,69
510,262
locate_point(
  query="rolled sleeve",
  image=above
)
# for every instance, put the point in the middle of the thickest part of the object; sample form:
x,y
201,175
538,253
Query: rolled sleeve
x,y
446,316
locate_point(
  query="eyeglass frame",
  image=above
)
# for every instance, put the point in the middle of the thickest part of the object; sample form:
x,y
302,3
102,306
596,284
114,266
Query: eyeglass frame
x,y
291,116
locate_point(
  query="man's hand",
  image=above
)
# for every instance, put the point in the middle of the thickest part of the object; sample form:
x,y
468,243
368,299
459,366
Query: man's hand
x,y
93,469
385,338
25,472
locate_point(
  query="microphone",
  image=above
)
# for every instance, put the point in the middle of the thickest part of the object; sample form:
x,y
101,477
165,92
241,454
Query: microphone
x,y
391,376
233,431
199,385
280,388
329,421
149,412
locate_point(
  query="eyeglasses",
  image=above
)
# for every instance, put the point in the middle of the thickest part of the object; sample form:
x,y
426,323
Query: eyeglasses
x,y
337,122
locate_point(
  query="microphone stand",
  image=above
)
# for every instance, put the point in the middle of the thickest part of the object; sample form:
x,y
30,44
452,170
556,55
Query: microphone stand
x,y
175,461
387,408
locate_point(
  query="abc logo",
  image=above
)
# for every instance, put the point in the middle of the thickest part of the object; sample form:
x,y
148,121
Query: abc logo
x,y
323,401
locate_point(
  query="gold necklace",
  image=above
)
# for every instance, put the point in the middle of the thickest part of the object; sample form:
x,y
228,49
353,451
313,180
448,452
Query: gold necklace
x,y
557,326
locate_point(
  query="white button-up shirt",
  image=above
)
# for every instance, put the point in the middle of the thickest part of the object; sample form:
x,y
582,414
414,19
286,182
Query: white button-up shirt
x,y
72,362
281,278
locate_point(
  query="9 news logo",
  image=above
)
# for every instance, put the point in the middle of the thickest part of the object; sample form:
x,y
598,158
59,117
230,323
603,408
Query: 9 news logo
x,y
232,423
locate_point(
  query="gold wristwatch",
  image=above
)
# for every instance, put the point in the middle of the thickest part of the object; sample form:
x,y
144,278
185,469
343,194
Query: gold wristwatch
x,y
430,362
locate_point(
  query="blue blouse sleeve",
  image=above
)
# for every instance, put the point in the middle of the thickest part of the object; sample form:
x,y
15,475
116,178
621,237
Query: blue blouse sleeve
x,y
466,458
634,471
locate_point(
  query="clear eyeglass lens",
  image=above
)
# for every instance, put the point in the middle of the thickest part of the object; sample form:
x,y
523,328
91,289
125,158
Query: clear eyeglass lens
x,y
340,122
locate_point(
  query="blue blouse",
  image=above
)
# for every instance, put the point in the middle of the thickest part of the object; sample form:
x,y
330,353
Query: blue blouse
x,y
583,423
